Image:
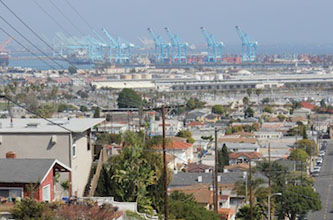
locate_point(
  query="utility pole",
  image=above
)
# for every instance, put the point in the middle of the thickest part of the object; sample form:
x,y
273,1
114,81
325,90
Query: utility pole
x,y
269,181
164,167
216,208
250,184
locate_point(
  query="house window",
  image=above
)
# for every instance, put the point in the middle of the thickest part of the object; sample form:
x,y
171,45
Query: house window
x,y
88,140
74,150
11,192
47,193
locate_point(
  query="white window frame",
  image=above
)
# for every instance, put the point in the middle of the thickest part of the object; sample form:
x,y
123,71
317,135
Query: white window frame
x,y
49,186
74,151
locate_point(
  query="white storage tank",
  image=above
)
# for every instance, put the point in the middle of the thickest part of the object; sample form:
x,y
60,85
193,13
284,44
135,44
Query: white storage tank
x,y
219,77
126,76
146,76
136,76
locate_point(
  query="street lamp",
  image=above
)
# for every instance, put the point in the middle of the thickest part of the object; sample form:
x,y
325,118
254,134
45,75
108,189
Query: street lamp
x,y
269,203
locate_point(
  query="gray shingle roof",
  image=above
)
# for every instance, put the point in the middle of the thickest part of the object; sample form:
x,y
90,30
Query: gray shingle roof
x,y
24,170
188,179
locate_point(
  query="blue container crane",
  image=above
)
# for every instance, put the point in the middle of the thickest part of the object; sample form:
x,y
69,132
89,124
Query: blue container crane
x,y
96,49
249,47
179,49
113,47
214,48
120,50
162,49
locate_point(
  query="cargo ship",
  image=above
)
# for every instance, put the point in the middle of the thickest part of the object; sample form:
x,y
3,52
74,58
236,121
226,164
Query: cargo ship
x,y
4,59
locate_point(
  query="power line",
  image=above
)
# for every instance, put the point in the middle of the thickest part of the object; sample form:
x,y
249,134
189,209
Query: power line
x,y
76,11
18,32
27,26
67,19
51,17
38,57
34,113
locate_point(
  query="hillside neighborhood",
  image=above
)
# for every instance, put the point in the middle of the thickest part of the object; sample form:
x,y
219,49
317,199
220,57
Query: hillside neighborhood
x,y
76,154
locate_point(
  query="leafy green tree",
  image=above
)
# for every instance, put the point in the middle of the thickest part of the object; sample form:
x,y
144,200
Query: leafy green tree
x,y
323,103
246,100
244,213
54,92
258,92
194,103
304,133
31,209
128,98
182,206
299,155
228,130
133,175
296,201
83,108
72,69
108,138
281,117
268,109
83,94
249,112
65,107
259,190
46,110
310,147
218,109
210,138
265,101
223,158
186,134
108,117
249,92
277,172
97,113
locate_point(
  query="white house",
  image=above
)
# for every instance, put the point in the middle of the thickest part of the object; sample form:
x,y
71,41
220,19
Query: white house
x,y
268,135
182,151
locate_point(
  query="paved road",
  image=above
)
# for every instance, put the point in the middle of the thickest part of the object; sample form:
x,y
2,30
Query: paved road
x,y
324,185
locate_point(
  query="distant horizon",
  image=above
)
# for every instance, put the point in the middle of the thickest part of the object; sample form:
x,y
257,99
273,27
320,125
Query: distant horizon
x,y
235,48
279,22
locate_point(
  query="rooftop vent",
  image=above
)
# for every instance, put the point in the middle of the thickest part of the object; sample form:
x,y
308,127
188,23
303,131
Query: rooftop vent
x,y
32,125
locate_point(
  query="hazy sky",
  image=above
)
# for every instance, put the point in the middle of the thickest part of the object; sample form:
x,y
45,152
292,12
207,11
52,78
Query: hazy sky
x,y
267,21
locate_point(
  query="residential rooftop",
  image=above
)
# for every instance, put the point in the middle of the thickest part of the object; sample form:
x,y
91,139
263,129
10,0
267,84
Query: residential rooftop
x,y
54,125
26,170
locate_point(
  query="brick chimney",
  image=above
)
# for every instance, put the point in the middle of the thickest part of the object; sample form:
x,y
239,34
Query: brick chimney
x,y
11,155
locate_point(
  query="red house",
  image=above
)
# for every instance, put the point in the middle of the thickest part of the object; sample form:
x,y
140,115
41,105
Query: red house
x,y
29,178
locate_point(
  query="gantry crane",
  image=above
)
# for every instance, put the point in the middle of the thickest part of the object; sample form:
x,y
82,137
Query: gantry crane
x,y
162,49
120,49
214,48
179,49
249,47
2,46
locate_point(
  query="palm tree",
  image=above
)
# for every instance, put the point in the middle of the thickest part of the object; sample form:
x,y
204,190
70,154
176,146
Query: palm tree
x,y
258,92
249,92
259,189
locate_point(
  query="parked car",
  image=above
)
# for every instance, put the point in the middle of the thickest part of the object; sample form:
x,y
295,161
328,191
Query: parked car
x,y
319,160
316,169
322,153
